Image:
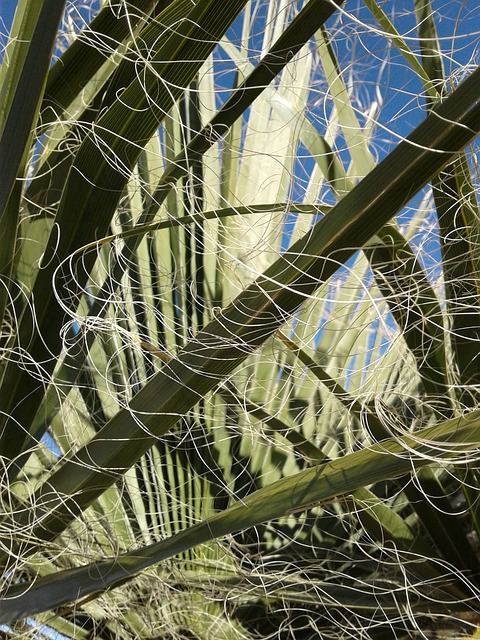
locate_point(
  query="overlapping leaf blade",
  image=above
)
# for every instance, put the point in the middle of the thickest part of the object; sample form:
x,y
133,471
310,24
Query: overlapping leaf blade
x,y
319,484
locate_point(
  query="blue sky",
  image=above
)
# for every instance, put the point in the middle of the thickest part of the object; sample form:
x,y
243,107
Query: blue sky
x,y
7,9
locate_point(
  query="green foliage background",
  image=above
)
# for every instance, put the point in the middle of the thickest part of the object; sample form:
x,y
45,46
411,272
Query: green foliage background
x,y
240,341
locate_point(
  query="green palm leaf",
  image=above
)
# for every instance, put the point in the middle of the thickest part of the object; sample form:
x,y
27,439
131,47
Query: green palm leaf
x,y
320,484
237,397
257,313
